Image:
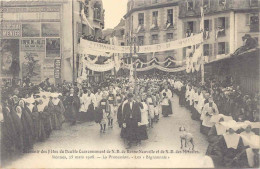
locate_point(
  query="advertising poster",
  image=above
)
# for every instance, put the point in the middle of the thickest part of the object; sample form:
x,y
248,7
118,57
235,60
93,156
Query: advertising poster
x,y
36,44
30,30
9,54
51,29
52,48
48,69
31,65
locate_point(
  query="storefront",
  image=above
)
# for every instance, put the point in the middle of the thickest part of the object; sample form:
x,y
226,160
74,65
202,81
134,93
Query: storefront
x,y
32,41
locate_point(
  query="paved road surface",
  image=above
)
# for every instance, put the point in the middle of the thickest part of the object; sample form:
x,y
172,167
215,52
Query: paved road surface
x,y
86,136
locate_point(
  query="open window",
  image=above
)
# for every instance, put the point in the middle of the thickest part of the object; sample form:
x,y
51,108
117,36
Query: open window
x,y
206,4
222,3
154,20
190,5
221,25
97,11
141,19
169,22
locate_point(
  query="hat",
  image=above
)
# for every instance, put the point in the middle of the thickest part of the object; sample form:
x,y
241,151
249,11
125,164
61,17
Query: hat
x,y
130,95
232,124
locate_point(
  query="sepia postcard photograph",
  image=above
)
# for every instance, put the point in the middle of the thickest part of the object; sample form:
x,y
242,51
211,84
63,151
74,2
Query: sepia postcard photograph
x,y
129,84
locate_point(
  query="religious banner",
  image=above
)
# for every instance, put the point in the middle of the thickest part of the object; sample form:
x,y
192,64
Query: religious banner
x,y
189,41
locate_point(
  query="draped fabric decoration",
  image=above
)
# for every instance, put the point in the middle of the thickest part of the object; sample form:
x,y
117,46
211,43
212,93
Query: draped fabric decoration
x,y
83,16
195,58
155,60
86,45
156,67
109,65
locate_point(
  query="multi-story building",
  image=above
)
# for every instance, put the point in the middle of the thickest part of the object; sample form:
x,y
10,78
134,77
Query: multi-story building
x,y
225,23
93,24
152,22
32,35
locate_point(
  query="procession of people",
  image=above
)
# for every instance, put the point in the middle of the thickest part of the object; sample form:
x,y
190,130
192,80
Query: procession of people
x,y
228,118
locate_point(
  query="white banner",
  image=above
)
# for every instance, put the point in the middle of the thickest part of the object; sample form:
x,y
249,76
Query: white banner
x,y
99,67
94,46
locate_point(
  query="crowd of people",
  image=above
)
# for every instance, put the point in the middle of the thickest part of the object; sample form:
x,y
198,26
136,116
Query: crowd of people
x,y
229,118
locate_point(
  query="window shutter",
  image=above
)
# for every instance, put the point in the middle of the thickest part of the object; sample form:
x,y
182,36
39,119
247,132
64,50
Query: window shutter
x,y
226,48
227,20
215,49
247,19
216,23
210,25
210,50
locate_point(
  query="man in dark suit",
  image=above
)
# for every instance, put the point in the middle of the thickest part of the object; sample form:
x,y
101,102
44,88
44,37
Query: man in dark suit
x,y
131,119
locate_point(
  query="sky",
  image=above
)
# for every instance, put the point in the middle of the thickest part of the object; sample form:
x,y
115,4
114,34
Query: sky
x,y
114,11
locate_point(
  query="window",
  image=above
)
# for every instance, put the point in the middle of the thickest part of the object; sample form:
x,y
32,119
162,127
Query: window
x,y
154,39
169,17
155,20
122,32
253,22
97,11
154,1
86,2
140,40
223,48
86,11
190,4
222,2
206,25
253,3
206,4
221,26
169,37
206,50
122,44
190,26
141,18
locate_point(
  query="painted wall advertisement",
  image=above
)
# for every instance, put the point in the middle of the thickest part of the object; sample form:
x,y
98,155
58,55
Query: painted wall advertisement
x,y
10,30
